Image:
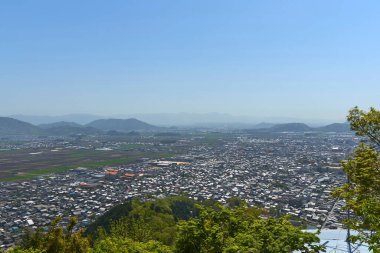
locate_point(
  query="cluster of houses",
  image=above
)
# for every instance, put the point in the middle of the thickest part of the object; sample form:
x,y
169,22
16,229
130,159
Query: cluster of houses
x,y
285,173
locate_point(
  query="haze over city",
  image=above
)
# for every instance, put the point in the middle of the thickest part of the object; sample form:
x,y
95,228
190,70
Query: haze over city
x,y
202,126
291,60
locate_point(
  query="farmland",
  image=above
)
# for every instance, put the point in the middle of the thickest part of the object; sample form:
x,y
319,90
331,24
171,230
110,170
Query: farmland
x,y
25,164
23,160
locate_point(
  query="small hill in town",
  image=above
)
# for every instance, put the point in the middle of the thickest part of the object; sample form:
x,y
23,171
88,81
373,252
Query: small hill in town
x,y
122,125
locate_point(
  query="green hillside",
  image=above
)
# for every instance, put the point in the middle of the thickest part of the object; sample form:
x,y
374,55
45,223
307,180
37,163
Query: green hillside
x,y
174,224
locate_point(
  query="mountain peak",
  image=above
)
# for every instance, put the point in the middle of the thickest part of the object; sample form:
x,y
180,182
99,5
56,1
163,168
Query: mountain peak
x,y
291,127
121,125
10,126
59,124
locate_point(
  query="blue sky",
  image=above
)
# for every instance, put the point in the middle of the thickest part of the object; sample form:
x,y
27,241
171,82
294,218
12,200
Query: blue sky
x,y
299,59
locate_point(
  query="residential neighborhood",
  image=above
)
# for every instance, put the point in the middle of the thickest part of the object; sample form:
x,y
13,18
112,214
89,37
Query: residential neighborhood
x,y
285,173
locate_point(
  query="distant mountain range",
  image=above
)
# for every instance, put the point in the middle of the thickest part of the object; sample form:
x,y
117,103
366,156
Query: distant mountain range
x,y
121,125
301,127
182,119
10,126
59,124
79,118
336,127
290,127
72,130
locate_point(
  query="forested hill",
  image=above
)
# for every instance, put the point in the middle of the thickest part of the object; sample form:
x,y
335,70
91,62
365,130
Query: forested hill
x,y
160,214
122,125
9,126
174,224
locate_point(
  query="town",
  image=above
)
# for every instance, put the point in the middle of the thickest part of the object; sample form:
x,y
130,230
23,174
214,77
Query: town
x,y
284,173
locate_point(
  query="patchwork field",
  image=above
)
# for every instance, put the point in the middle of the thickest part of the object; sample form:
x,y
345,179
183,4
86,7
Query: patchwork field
x,y
25,164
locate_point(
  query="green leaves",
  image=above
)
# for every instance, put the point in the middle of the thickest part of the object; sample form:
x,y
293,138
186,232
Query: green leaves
x,y
366,123
362,192
155,226
127,245
56,240
150,220
220,230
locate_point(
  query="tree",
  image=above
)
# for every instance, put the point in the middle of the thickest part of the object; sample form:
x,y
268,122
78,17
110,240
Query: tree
x,y
151,226
20,250
127,245
221,229
57,239
362,191
150,220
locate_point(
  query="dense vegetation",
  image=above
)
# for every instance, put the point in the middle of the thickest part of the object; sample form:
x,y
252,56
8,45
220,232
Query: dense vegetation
x,y
362,191
174,224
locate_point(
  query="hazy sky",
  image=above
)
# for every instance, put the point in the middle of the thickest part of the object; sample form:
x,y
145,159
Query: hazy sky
x,y
299,59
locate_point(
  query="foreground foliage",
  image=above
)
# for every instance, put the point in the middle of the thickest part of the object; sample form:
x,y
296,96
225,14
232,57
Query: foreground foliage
x,y
56,240
175,224
362,191
223,229
127,245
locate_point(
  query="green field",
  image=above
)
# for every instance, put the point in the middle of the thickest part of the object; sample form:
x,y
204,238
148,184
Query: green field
x,y
22,165
131,146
